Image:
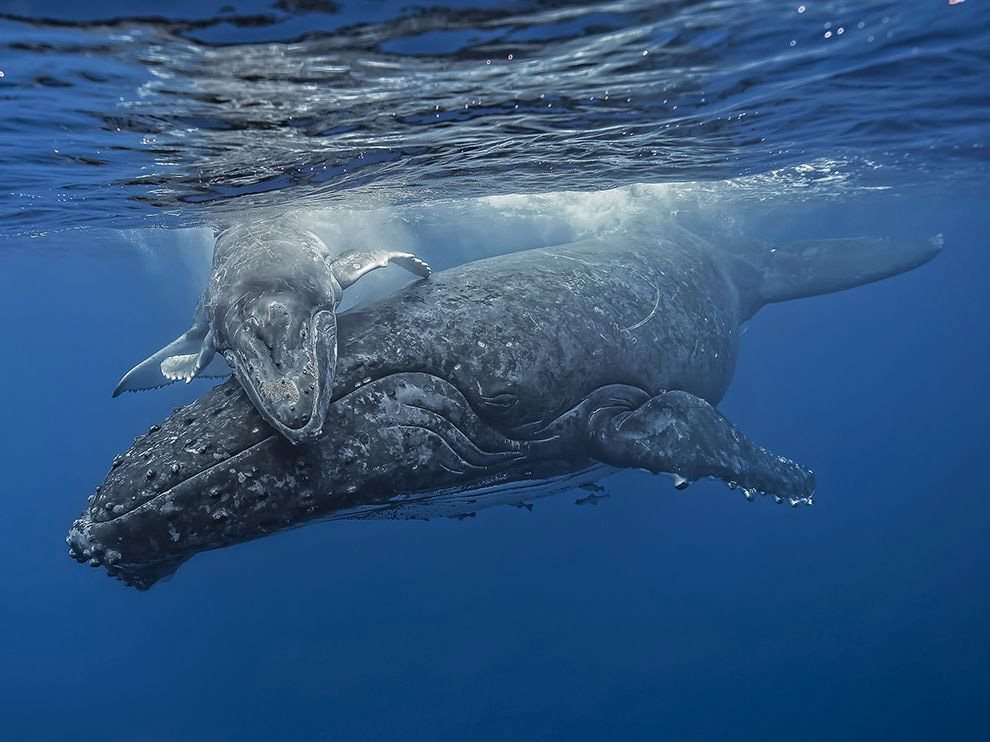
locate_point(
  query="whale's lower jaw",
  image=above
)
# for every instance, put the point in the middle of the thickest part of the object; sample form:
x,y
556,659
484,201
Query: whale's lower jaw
x,y
85,548
86,544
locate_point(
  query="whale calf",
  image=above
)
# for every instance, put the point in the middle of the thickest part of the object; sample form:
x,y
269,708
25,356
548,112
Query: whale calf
x,y
270,309
537,369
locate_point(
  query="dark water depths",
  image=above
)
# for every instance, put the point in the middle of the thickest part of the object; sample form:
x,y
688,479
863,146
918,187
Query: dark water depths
x,y
128,130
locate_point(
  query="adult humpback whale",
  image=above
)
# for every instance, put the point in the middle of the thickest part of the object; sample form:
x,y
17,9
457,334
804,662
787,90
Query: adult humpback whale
x,y
489,378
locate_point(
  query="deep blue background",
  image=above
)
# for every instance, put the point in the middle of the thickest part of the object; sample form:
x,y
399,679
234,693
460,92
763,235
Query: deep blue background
x,y
656,614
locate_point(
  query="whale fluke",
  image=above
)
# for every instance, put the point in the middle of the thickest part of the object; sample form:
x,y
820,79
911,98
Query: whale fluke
x,y
813,267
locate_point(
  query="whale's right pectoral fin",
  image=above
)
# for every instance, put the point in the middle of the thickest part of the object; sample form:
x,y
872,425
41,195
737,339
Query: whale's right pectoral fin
x,y
189,355
682,435
350,266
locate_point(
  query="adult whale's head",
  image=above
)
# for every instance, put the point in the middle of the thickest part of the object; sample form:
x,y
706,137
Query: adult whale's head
x,y
272,299
214,474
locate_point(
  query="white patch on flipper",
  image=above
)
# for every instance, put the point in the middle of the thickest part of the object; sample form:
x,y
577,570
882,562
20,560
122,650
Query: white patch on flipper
x,y
180,368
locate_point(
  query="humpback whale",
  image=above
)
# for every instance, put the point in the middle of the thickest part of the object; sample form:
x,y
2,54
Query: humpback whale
x,y
270,309
537,369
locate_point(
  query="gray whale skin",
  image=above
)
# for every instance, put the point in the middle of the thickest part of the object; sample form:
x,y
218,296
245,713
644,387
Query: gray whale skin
x,y
543,368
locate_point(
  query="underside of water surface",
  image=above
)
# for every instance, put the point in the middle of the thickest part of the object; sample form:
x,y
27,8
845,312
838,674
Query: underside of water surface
x,y
117,115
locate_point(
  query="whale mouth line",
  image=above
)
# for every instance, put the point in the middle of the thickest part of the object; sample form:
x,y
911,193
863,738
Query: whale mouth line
x,y
188,479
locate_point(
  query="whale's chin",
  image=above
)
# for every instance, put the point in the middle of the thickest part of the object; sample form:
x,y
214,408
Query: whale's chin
x,y
84,549
294,393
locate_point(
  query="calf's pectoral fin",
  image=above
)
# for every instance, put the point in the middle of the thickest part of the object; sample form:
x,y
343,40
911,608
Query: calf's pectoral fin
x,y
184,358
679,434
350,266
411,263
188,366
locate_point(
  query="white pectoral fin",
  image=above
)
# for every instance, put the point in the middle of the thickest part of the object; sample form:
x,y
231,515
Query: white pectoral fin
x,y
207,364
350,266
187,366
183,358
411,263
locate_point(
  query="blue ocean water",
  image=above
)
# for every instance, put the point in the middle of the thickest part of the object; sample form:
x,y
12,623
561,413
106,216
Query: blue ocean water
x,y
127,133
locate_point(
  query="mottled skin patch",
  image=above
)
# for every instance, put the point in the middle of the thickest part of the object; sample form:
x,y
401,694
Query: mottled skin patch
x,y
526,336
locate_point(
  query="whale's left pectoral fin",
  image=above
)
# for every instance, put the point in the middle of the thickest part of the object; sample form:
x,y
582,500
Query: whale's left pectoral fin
x,y
188,356
205,364
350,266
682,435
